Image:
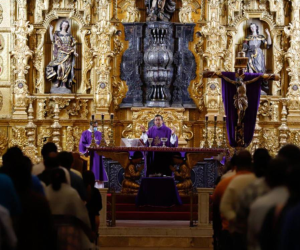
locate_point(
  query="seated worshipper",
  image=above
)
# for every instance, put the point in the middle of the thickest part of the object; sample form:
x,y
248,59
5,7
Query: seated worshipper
x,y
48,148
94,199
65,160
64,200
158,162
97,162
183,174
132,174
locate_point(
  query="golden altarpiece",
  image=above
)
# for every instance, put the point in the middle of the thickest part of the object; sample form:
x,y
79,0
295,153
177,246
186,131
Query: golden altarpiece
x,y
30,115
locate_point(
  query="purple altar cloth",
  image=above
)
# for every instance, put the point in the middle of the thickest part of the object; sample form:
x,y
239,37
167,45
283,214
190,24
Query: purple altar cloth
x,y
253,94
158,192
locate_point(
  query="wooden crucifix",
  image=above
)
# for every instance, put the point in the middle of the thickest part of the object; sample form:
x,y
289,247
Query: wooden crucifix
x,y
240,99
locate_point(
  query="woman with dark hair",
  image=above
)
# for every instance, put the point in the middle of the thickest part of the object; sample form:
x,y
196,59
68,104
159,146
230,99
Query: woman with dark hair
x,y
64,200
60,71
252,47
94,200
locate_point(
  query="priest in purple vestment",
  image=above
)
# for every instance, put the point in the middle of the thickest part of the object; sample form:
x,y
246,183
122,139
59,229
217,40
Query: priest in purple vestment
x,y
159,162
97,165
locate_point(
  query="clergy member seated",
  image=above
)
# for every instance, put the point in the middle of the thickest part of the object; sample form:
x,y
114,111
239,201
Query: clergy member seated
x,y
158,162
97,165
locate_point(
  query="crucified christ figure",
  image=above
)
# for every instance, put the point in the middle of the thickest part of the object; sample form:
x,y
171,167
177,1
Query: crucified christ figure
x,y
240,98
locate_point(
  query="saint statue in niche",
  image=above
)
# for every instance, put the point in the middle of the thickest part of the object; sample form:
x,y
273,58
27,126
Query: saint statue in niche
x,y
60,71
252,46
160,10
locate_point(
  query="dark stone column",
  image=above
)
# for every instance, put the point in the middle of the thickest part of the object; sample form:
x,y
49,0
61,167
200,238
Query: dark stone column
x,y
130,65
186,66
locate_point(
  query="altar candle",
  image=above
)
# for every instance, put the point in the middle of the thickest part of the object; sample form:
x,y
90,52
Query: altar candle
x,y
215,118
102,116
111,116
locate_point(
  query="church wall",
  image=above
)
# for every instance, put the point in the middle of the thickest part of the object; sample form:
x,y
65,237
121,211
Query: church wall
x,y
31,116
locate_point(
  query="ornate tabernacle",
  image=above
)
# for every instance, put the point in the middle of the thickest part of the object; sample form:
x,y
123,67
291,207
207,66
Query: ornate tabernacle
x,y
63,61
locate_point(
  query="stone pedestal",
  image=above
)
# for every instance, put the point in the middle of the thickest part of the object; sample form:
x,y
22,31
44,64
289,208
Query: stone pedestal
x,y
203,206
103,212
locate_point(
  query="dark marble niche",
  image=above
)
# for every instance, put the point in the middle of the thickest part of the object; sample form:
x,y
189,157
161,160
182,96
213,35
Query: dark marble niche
x,y
158,65
131,64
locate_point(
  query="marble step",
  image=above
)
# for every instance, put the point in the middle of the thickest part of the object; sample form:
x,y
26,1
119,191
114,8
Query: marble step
x,y
155,242
151,248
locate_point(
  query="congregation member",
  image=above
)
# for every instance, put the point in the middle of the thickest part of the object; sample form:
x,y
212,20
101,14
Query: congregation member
x,y
243,167
158,162
259,187
51,162
47,148
33,224
272,233
64,200
97,165
94,199
275,178
65,160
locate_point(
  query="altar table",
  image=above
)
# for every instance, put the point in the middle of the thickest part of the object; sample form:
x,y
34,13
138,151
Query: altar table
x,y
158,192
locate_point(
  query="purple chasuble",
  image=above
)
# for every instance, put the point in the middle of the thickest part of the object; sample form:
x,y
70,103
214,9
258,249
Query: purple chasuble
x,y
158,133
159,162
97,162
253,95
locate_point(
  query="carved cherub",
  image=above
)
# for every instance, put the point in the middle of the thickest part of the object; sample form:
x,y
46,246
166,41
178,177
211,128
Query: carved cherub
x,y
185,12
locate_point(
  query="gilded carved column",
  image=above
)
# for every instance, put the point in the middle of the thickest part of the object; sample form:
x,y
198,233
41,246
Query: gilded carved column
x,y
283,129
21,54
101,35
216,42
39,62
292,56
31,149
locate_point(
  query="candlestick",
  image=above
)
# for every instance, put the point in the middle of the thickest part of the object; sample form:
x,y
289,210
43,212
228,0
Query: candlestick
x,y
111,135
206,133
223,145
215,144
93,142
102,142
